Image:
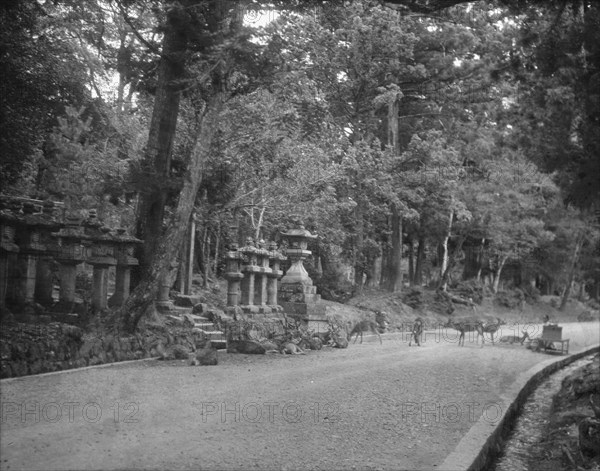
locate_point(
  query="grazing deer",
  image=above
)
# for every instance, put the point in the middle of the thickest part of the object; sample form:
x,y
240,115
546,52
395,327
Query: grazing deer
x,y
492,327
466,325
417,332
364,326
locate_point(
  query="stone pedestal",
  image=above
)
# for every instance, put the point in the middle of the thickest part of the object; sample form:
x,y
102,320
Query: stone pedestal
x,y
302,302
249,269
122,284
275,259
262,276
44,285
247,285
233,276
103,257
124,248
27,269
8,254
31,249
68,273
100,287
70,253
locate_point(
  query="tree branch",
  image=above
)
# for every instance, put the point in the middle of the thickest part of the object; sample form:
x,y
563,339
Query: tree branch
x,y
134,30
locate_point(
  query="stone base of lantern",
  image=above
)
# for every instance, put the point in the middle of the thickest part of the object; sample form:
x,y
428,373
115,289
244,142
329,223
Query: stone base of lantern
x,y
302,302
298,293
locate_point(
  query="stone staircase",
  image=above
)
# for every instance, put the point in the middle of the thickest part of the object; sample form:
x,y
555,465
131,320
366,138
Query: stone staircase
x,y
201,323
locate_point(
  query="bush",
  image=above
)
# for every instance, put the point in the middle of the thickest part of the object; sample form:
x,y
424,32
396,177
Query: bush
x,y
510,299
471,289
532,294
413,297
333,286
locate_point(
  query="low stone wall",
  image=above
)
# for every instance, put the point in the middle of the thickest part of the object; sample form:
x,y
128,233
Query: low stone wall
x,y
27,349
484,440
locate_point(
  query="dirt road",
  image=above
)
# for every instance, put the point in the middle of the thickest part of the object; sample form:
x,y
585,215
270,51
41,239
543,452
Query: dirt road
x,y
370,406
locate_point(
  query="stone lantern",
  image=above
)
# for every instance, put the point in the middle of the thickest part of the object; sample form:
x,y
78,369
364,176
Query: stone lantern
x,y
299,297
102,258
8,250
70,252
233,275
44,285
297,252
264,270
249,268
124,245
29,236
275,259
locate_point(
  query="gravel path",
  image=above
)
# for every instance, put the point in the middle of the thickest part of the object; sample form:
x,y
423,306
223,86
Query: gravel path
x,y
370,406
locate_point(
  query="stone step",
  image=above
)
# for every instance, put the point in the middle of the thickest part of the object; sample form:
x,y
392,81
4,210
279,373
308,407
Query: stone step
x,y
205,326
209,333
179,310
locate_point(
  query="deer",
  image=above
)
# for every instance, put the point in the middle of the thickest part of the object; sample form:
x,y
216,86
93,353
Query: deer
x,y
292,349
492,327
417,332
364,326
205,356
466,325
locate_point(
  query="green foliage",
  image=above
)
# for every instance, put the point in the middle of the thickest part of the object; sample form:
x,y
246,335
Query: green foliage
x,y
40,76
340,119
556,113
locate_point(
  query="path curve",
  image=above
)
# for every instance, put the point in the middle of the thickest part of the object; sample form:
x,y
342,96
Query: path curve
x,y
370,406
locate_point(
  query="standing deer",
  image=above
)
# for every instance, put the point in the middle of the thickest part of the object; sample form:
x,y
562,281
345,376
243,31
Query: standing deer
x,y
492,327
466,325
364,326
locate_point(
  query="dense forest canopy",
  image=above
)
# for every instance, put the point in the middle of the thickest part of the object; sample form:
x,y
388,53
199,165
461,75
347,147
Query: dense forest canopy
x,y
426,142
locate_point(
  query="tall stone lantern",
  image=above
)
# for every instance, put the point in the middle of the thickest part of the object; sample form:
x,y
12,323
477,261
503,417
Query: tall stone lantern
x,y
298,296
297,252
70,252
8,250
102,257
124,248
249,268
233,275
275,259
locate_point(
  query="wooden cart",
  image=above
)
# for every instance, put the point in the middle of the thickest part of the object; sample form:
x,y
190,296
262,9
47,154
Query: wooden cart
x,y
551,339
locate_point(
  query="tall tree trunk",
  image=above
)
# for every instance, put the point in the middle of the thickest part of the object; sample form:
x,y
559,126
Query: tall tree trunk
x,y
444,262
480,259
359,245
501,262
395,281
375,270
411,261
574,260
143,296
206,251
452,262
385,265
418,278
217,245
157,158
